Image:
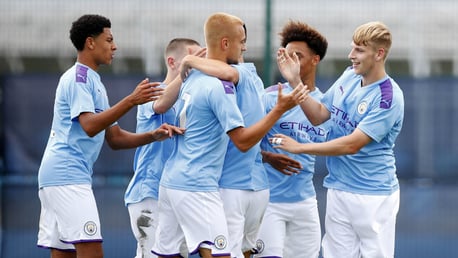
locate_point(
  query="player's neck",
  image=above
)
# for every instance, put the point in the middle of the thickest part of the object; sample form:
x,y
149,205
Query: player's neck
x,y
169,78
310,82
373,76
85,60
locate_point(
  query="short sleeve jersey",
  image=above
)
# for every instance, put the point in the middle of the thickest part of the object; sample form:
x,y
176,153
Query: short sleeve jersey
x,y
207,108
378,111
149,159
244,170
294,124
70,153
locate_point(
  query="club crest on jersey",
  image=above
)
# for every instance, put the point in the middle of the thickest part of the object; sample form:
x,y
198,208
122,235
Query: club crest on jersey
x,y
260,246
362,107
228,87
220,242
90,228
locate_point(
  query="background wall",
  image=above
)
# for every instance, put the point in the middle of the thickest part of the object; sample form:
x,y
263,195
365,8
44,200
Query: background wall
x,y
35,50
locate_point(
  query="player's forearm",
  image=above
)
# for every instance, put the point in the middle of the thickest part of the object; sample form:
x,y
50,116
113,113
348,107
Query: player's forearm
x,y
170,96
122,139
315,112
250,136
94,123
214,68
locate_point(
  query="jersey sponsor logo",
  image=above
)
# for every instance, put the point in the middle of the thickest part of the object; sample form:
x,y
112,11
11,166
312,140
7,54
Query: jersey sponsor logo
x,y
228,87
220,242
291,125
81,74
90,228
342,118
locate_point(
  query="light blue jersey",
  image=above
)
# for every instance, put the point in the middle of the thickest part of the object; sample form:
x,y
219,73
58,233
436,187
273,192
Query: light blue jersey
x,y
294,124
149,159
207,108
377,110
70,153
244,170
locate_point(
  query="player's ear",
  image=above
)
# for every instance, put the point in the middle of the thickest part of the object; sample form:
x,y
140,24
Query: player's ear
x,y
90,43
224,43
170,62
380,54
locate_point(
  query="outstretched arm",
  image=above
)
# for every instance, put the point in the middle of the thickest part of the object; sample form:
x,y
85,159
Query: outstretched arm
x,y
118,138
345,145
211,67
94,123
289,67
166,101
245,138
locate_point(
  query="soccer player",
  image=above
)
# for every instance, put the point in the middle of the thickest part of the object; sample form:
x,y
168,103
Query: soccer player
x,y
69,220
190,206
244,187
291,225
142,192
366,109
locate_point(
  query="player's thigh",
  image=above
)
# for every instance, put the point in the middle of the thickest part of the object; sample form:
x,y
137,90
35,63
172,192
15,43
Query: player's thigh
x,y
272,232
143,217
303,232
169,235
377,228
89,250
202,219
258,202
340,239
76,214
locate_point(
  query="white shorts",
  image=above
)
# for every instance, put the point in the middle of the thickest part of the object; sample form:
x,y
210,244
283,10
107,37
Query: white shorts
x,y
143,221
194,218
68,215
360,225
290,230
244,212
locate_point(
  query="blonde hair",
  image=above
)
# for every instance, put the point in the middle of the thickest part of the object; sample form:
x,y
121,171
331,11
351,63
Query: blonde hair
x,y
218,26
374,34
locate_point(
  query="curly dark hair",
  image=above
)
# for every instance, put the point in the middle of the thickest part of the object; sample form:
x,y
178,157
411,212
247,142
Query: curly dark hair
x,y
88,25
299,31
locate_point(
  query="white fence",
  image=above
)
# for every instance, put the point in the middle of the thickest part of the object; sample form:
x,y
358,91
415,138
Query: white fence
x,y
424,31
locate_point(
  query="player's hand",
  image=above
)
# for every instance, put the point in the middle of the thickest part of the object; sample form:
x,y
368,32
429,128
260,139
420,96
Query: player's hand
x,y
295,97
201,52
146,91
185,66
283,142
289,66
282,163
166,131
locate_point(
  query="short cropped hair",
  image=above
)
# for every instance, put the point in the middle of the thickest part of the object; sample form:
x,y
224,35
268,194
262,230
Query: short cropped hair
x,y
299,31
374,34
88,25
179,44
216,27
